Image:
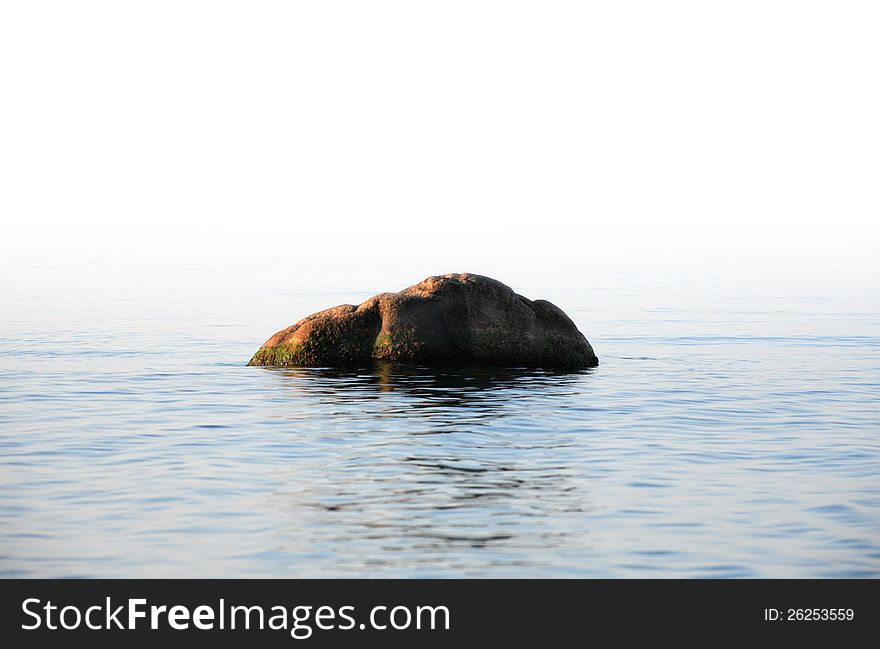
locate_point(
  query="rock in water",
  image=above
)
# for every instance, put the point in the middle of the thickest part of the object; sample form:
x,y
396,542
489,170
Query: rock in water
x,y
458,319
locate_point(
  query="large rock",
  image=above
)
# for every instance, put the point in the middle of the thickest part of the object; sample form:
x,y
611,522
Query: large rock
x,y
459,319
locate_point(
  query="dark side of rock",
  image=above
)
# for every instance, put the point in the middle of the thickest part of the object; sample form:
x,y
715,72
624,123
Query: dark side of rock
x,y
460,319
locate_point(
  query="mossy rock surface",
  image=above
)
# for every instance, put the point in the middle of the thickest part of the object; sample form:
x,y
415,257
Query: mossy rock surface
x,y
457,318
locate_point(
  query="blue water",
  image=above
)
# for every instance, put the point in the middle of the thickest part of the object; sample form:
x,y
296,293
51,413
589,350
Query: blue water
x,y
731,430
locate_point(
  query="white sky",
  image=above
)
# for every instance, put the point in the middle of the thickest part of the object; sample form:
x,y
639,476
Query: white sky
x,y
629,126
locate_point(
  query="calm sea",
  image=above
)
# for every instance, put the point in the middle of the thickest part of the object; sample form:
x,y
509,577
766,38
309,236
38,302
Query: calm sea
x,y
731,430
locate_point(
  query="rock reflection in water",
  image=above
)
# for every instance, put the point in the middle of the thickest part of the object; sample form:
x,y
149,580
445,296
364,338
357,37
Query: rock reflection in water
x,y
427,460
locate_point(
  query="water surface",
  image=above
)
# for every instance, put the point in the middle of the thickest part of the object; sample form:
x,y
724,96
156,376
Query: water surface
x,y
730,431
